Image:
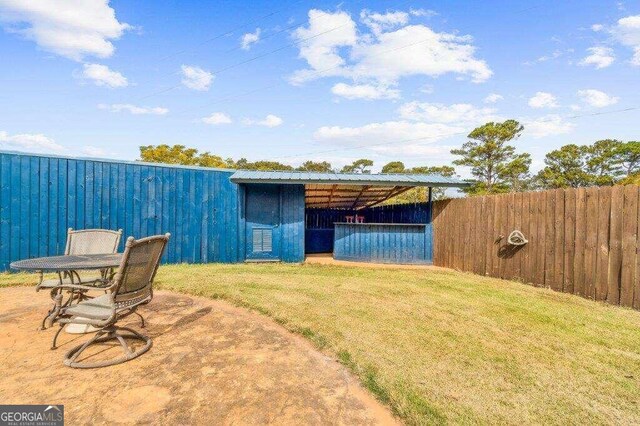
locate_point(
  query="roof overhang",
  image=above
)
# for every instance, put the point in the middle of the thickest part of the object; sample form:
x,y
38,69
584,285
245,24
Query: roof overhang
x,y
346,191
293,178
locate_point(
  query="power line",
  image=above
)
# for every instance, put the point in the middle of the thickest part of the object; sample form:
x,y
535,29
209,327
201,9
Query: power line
x,y
246,61
230,97
216,72
313,74
272,34
278,49
231,31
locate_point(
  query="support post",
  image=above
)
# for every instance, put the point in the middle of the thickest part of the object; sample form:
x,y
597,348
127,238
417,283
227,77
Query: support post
x,y
430,205
429,245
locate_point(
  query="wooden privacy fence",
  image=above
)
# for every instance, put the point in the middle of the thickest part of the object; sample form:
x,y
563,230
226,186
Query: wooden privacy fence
x,y
581,241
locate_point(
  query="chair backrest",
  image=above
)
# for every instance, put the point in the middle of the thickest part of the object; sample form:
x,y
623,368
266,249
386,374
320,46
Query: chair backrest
x,y
140,261
92,241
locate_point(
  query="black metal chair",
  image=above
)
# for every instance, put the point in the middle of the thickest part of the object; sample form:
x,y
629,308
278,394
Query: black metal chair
x,y
130,287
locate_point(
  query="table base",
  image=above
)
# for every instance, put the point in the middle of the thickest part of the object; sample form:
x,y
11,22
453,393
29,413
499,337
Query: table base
x,y
80,328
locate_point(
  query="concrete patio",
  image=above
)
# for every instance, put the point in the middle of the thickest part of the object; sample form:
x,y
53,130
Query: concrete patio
x,y
211,363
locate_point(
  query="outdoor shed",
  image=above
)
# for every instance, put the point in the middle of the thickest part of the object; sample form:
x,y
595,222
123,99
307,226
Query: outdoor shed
x,y
287,215
214,215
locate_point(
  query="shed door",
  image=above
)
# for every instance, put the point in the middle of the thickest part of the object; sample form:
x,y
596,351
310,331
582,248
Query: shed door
x,y
263,222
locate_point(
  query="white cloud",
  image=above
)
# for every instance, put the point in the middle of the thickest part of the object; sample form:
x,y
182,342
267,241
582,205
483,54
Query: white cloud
x,y
217,118
321,52
196,78
597,27
102,75
423,12
427,88
543,100
365,91
596,98
379,22
133,109
384,57
73,29
31,142
417,50
269,121
249,38
627,32
550,125
93,151
600,57
493,98
558,53
439,113
554,55
434,152
398,132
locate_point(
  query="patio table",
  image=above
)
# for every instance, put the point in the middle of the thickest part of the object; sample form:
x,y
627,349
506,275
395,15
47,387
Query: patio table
x,y
67,265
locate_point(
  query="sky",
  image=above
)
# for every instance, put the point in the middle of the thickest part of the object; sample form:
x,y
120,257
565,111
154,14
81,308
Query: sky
x,y
320,80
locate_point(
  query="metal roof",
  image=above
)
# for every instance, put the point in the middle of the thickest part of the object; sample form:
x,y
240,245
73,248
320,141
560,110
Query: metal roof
x,y
252,176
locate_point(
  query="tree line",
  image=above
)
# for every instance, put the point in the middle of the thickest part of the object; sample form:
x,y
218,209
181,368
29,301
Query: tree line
x,y
498,168
180,154
489,152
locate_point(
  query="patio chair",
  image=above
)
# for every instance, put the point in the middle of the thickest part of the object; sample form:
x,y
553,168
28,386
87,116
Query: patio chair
x,y
84,241
130,287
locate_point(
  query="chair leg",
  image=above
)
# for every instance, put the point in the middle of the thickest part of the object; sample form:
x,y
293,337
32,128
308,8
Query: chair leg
x,y
73,354
56,296
104,335
43,325
141,319
55,338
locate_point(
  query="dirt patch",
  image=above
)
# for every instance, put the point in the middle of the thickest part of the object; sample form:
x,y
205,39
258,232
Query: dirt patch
x,y
211,363
327,259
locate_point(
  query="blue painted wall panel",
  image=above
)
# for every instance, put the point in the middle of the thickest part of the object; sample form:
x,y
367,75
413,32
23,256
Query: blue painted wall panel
x,y
383,243
41,197
292,223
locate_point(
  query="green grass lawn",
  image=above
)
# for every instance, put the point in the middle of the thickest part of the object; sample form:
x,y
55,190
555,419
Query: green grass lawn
x,y
445,347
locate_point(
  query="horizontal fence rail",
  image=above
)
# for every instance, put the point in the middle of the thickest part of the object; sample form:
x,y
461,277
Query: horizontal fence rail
x,y
581,241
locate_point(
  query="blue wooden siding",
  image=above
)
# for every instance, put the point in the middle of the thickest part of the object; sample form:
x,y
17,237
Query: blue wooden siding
x,y
292,223
40,197
383,243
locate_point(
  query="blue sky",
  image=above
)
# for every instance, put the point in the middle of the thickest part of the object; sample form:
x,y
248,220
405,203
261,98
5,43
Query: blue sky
x,y
289,81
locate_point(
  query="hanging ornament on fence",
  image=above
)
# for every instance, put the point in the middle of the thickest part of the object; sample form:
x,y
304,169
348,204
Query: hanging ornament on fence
x,y
516,238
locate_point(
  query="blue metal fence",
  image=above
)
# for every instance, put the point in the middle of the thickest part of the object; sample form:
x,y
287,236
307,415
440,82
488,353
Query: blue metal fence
x,y
40,197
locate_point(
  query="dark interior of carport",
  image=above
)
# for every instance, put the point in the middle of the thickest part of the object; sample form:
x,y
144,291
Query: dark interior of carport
x,y
328,205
